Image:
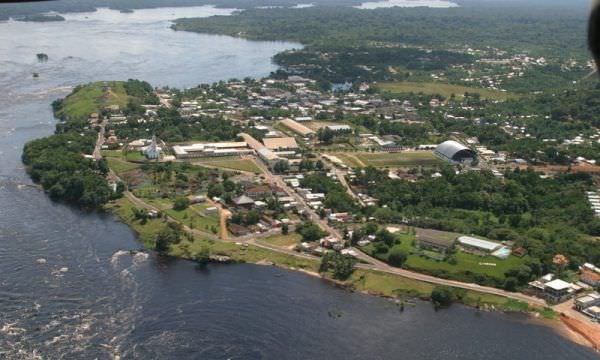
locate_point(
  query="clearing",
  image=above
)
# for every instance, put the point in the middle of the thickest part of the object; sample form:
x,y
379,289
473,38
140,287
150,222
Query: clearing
x,y
400,159
92,98
287,241
445,90
232,163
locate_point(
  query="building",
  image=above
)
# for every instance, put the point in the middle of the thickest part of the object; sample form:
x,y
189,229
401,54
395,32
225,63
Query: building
x,y
298,128
586,301
243,201
280,143
259,192
435,240
153,150
211,149
455,153
269,157
196,199
590,277
471,243
593,312
557,291
266,155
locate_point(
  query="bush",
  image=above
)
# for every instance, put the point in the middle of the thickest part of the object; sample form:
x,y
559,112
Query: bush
x,y
442,296
202,257
342,266
165,238
181,203
397,257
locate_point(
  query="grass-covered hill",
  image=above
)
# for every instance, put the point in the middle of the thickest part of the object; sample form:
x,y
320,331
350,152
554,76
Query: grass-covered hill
x,y
57,162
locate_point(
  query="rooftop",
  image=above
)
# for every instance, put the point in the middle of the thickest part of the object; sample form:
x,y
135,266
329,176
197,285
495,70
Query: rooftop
x,y
478,243
280,143
558,285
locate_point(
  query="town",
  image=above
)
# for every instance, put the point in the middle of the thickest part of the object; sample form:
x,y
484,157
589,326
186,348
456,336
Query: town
x,y
286,167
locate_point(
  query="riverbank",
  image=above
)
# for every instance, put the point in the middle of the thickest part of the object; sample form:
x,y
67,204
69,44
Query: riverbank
x,y
391,286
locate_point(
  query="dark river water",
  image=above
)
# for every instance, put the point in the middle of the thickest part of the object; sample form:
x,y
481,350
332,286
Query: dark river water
x,y
69,291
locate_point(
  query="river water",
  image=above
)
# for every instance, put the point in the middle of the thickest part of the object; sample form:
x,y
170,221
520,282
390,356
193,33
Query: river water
x,y
69,291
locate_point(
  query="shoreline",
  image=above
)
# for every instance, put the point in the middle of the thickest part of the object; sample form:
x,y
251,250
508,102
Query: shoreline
x,y
557,325
533,314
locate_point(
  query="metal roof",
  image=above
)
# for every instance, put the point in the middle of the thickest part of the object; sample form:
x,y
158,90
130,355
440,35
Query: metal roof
x,y
558,285
478,243
449,149
280,143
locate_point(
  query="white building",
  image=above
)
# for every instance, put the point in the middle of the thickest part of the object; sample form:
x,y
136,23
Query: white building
x,y
153,150
478,244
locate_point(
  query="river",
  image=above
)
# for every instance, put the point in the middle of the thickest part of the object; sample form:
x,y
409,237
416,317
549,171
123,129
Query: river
x,y
69,291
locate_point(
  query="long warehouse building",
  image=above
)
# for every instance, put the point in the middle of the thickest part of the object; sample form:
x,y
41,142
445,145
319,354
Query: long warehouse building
x,y
298,128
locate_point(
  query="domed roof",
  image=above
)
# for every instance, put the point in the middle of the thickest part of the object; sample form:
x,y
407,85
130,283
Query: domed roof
x,y
454,151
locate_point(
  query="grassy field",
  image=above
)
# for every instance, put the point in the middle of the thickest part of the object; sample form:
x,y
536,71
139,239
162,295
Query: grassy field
x,y
119,166
349,159
284,240
250,254
467,265
446,90
112,153
194,218
232,164
135,156
160,203
147,232
402,159
92,98
391,285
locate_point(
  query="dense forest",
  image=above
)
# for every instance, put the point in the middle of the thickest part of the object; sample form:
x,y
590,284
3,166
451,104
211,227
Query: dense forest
x,y
547,30
57,163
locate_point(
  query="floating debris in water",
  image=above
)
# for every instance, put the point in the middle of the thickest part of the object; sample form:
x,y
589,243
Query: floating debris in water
x,y
334,314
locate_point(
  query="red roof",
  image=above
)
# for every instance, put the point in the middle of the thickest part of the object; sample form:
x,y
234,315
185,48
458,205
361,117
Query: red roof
x,y
259,189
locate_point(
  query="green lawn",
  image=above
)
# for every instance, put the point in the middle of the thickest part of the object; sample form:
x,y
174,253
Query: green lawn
x,y
401,159
160,203
194,218
233,164
446,90
284,240
386,284
250,254
147,191
112,153
135,155
348,158
120,166
466,268
91,98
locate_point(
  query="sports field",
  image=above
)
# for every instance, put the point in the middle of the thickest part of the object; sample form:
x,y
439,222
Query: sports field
x,y
446,90
232,163
382,159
